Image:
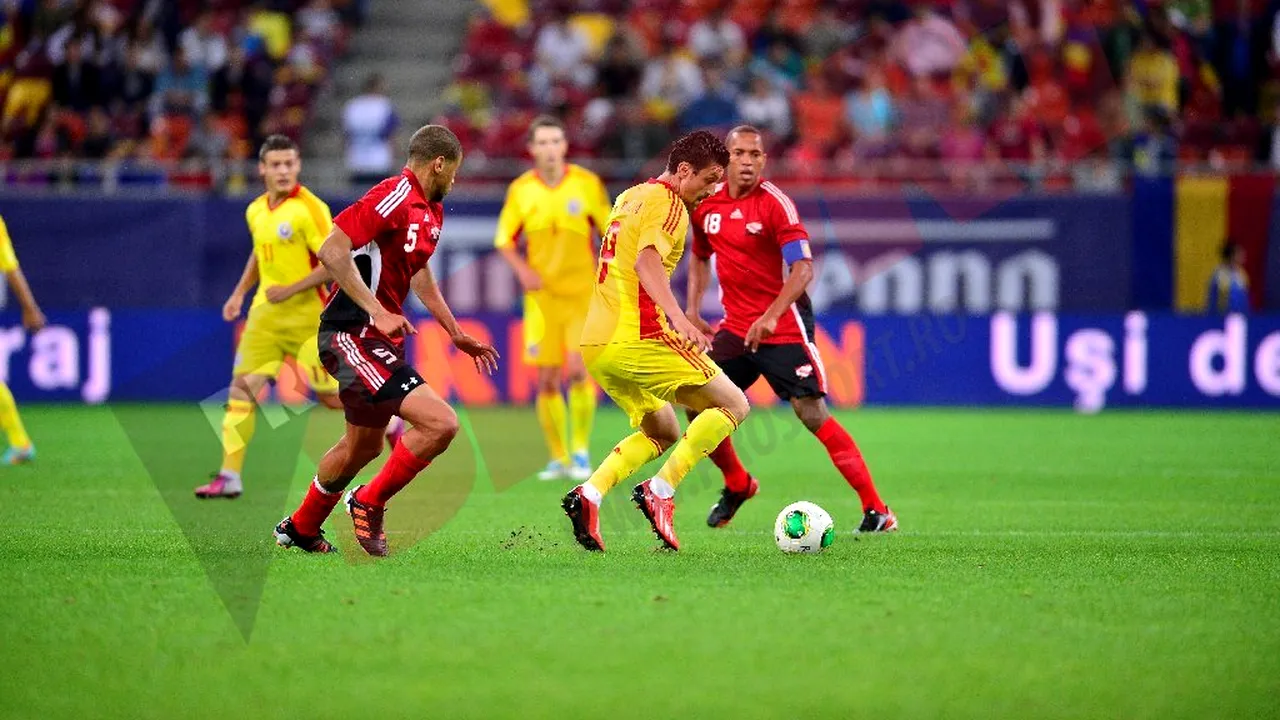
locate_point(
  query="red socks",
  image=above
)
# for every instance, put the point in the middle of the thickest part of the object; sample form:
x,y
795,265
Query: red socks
x,y
315,509
848,460
736,477
399,471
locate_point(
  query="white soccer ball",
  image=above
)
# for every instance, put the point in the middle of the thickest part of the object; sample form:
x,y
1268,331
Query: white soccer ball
x,y
803,527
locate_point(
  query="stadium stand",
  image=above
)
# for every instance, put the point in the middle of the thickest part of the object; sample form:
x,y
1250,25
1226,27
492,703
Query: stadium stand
x,y
968,93
161,80
877,87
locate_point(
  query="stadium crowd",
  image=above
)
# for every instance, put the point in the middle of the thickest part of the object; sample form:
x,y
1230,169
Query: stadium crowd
x,y
1027,82
842,87
162,79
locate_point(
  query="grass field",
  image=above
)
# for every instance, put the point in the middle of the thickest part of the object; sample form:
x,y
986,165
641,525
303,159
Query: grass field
x,y
1050,565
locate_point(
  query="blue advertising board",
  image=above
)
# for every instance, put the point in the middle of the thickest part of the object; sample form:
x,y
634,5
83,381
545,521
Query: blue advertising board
x,y
875,256
1089,362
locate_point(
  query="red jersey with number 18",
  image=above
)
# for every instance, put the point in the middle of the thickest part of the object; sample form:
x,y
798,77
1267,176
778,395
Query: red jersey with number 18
x,y
394,230
748,236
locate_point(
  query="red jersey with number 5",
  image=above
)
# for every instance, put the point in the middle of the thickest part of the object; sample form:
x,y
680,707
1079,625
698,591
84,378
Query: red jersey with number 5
x,y
750,236
394,230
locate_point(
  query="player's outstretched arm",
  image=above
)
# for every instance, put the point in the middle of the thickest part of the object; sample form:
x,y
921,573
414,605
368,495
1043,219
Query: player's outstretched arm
x,y
314,279
653,278
32,317
699,279
424,285
335,255
248,278
797,281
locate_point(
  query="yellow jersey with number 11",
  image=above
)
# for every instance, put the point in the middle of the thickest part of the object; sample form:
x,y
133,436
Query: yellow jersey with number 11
x,y
647,215
286,238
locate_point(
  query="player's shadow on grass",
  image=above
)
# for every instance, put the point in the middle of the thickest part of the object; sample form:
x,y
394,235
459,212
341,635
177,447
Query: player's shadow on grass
x,y
178,448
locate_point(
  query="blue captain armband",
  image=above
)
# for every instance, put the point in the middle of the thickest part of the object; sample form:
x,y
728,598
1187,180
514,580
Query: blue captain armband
x,y
796,250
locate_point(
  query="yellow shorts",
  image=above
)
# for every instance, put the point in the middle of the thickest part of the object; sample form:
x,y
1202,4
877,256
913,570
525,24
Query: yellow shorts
x,y
552,328
269,338
643,375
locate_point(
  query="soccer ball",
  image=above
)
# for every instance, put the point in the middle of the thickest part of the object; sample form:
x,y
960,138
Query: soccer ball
x,y
803,527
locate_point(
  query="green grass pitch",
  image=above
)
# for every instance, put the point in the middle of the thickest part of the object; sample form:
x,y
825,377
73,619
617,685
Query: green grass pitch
x,y
1050,566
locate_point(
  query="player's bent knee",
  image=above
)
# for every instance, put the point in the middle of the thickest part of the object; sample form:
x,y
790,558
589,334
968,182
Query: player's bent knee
x,y
811,411
739,407
442,424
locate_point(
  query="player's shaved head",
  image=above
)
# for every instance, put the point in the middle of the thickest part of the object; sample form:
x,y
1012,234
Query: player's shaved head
x,y
742,130
700,149
434,141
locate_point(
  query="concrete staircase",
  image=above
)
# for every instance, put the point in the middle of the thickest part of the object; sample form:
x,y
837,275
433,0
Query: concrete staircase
x,y
412,43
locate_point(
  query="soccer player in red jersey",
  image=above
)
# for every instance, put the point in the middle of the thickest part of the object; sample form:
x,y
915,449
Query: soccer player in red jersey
x,y
377,251
754,231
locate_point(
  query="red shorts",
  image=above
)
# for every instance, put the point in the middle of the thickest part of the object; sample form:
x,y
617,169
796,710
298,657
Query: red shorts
x,y
373,378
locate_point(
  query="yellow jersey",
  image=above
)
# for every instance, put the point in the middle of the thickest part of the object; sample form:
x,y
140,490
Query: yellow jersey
x,y
8,260
556,223
286,239
647,215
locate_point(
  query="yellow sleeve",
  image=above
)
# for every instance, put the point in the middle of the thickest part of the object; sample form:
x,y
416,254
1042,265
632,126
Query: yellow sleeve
x,y
658,222
509,220
320,221
601,206
8,260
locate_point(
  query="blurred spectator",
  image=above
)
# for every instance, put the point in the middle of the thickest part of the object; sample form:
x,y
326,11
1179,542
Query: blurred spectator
x,y
273,27
182,88
1229,284
767,108
562,52
929,44
30,89
781,64
619,72
129,83
716,109
1016,136
211,141
636,135
869,111
370,122
1154,148
828,33
1153,75
319,22
773,32
819,114
150,46
203,47
98,140
670,82
717,37
244,81
923,116
75,82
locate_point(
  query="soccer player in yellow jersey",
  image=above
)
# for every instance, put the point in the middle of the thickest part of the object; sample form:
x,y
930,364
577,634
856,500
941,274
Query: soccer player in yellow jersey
x,y
288,224
645,353
20,449
555,206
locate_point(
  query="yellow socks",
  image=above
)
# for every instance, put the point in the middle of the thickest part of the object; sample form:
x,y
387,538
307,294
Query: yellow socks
x,y
703,435
551,417
582,410
10,422
635,450
237,429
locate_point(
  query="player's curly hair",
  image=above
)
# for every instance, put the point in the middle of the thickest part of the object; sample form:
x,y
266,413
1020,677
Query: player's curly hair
x,y
700,149
433,141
